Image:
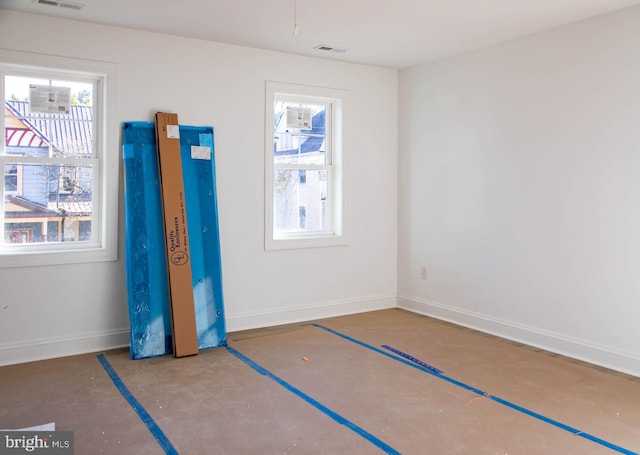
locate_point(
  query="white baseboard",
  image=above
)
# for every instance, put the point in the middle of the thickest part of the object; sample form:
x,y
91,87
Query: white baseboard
x,y
49,348
288,315
604,356
607,357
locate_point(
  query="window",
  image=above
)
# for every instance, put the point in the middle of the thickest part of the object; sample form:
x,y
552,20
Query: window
x,y
60,160
304,167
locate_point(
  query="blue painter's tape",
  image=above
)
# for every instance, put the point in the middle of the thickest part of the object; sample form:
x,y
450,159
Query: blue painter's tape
x,y
499,400
135,404
401,360
335,416
206,139
413,359
127,151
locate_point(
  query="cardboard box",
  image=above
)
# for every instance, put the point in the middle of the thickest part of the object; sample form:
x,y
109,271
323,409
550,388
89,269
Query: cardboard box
x,y
183,318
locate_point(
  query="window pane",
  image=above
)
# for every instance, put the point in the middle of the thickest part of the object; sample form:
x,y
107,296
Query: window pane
x,y
299,133
310,117
47,203
300,206
294,148
30,132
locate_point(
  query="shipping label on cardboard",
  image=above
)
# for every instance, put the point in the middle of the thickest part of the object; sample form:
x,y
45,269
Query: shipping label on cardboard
x,y
173,132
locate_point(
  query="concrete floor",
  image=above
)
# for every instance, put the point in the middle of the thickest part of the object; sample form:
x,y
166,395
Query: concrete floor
x,y
303,389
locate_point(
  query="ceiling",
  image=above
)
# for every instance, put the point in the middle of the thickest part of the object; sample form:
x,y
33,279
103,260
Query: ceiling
x,y
388,33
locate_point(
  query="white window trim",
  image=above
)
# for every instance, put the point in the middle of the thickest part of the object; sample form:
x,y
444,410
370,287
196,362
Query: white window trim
x,y
337,188
107,133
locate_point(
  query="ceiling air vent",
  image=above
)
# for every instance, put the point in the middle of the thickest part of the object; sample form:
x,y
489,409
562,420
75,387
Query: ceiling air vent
x,y
58,4
322,47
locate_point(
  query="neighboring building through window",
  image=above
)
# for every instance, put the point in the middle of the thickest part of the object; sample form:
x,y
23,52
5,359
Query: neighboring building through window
x,y
304,172
48,186
302,217
58,196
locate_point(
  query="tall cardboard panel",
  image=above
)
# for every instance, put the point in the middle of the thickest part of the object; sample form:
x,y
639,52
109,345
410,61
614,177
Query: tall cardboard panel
x,y
183,317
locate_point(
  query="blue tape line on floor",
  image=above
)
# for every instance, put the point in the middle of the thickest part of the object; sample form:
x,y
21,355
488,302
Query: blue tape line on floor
x,y
135,404
335,416
503,402
413,359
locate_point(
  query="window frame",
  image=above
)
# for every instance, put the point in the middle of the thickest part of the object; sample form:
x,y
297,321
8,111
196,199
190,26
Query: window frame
x,y
336,232
105,162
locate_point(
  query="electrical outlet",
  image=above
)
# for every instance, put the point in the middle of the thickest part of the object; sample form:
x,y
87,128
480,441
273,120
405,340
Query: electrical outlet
x,y
423,272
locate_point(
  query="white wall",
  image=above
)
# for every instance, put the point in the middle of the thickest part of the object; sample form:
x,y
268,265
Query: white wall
x,y
519,189
59,310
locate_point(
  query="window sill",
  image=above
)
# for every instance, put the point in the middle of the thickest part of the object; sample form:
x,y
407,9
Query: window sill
x,y
43,258
292,243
